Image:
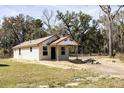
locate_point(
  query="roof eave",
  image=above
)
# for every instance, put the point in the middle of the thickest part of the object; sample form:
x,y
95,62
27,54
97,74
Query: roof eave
x,y
25,46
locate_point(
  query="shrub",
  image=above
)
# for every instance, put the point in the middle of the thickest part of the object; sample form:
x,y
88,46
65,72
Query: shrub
x,y
53,84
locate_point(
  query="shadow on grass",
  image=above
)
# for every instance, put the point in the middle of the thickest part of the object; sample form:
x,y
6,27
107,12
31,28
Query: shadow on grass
x,y
4,65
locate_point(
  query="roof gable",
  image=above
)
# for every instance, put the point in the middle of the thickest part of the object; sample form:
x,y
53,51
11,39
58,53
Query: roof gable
x,y
65,41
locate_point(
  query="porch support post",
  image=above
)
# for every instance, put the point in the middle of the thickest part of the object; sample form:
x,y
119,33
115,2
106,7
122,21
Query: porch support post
x,y
57,53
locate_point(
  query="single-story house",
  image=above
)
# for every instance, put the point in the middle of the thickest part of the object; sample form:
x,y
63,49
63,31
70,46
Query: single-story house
x,y
46,48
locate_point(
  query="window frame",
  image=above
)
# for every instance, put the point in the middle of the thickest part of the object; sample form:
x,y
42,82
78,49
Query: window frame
x,y
45,51
62,50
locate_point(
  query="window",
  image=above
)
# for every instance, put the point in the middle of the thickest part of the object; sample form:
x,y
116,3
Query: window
x,y
30,49
45,50
19,51
62,50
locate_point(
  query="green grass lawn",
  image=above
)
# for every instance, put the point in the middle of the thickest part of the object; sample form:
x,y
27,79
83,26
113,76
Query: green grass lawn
x,y
17,74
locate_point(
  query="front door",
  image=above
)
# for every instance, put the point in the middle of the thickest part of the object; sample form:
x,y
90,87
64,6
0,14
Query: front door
x,y
53,53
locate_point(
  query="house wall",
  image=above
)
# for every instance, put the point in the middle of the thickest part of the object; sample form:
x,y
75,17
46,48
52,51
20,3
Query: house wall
x,y
37,52
26,54
63,57
41,53
45,43
48,57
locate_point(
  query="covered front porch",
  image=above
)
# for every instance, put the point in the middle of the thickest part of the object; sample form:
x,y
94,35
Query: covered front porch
x,y
59,53
60,48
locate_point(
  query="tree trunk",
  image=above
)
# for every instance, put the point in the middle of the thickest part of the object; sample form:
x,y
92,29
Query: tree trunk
x,y
110,38
121,43
16,35
81,45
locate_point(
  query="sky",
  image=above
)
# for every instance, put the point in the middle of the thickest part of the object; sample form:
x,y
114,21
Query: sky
x,y
36,10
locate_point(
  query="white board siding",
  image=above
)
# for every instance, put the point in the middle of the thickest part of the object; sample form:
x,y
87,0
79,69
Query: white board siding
x,y
16,53
26,54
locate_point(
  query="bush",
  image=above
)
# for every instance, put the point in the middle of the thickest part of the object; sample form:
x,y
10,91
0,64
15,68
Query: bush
x,y
1,52
114,53
4,53
53,84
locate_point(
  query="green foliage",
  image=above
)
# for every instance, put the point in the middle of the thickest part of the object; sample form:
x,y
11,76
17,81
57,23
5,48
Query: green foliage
x,y
80,28
19,29
76,23
91,36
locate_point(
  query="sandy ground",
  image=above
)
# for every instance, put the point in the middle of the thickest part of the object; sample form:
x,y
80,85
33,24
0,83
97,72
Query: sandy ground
x,y
107,65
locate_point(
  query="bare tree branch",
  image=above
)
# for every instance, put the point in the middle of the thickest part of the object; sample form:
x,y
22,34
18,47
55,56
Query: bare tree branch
x,y
104,9
110,16
48,18
117,11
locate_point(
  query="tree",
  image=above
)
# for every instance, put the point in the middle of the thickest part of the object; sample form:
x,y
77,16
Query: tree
x,y
93,39
59,29
119,20
77,24
84,30
19,29
49,20
110,16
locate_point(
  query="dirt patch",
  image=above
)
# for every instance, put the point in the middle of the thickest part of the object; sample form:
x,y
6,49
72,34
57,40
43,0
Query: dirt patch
x,y
111,66
72,84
